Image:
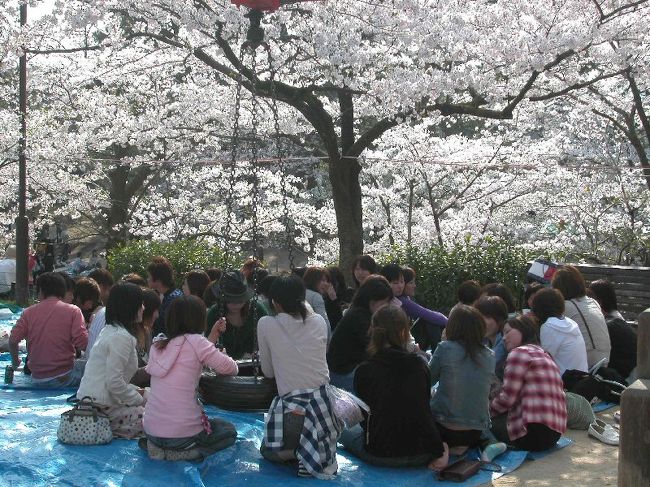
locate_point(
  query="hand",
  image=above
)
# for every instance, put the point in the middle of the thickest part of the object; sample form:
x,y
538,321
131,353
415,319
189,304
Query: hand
x,y
218,328
221,325
16,363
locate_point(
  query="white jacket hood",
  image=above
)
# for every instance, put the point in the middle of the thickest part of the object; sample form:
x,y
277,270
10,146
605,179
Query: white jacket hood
x,y
563,325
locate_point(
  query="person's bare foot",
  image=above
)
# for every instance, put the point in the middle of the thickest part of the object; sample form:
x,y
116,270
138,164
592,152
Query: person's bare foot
x,y
440,462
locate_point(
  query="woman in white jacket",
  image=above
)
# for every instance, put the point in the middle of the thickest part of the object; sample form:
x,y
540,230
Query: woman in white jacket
x,y
114,361
560,336
585,311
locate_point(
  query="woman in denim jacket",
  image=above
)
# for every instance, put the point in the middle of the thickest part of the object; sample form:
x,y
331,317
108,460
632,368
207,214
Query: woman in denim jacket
x,y
464,368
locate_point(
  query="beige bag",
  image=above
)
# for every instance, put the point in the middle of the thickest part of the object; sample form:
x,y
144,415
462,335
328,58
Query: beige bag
x,y
84,424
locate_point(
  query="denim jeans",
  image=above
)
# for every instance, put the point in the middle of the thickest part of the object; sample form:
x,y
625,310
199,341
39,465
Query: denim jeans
x,y
291,430
353,440
71,379
223,435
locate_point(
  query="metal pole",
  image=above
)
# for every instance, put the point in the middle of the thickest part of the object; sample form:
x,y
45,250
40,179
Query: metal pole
x,y
22,233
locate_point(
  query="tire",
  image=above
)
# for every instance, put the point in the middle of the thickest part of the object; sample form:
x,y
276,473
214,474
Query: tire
x,y
238,393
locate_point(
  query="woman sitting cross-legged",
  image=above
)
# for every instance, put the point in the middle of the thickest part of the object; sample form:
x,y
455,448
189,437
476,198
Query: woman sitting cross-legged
x,y
348,347
235,315
292,346
114,361
396,384
177,428
464,368
530,411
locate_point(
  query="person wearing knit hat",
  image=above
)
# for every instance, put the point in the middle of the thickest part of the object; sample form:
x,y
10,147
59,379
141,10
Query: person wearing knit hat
x,y
236,314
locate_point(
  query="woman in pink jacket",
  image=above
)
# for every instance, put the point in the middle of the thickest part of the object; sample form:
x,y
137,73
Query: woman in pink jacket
x,y
176,426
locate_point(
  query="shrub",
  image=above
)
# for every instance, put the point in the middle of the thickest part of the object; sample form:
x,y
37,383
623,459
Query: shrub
x,y
440,270
184,255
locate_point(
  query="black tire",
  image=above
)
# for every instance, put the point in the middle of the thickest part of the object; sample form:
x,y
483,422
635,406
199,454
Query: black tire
x,y
238,393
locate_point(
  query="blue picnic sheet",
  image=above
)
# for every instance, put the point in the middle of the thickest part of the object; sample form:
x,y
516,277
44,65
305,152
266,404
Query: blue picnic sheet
x,y
32,456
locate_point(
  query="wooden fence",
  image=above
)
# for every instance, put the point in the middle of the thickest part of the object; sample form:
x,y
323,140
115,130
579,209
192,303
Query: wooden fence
x,y
632,285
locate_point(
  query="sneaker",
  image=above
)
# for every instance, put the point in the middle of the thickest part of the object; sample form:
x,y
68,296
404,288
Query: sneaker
x,y
606,434
155,452
178,455
302,471
492,451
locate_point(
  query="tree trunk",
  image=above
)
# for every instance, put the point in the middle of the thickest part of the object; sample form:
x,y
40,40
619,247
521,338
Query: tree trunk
x,y
346,192
409,222
118,211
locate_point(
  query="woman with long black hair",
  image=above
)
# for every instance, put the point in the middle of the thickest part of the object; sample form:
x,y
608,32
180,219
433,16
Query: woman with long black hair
x,y
114,361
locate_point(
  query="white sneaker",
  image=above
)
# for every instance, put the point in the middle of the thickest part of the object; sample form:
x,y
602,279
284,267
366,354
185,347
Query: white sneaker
x,y
605,434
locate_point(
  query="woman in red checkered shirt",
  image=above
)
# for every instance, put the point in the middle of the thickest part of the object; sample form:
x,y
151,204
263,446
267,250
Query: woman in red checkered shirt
x,y
530,410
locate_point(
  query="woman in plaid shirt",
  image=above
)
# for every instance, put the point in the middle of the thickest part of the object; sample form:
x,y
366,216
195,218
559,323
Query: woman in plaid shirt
x,y
530,411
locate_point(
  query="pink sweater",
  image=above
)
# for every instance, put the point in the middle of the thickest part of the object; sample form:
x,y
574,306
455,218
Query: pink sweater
x,y
53,329
172,409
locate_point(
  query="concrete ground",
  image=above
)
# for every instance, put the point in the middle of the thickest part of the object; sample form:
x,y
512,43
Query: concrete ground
x,y
586,462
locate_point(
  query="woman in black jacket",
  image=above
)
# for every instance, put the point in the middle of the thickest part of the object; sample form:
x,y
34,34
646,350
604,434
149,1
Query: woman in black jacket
x,y
396,384
347,348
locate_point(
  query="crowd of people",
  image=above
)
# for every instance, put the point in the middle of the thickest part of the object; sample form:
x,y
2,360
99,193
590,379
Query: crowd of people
x,y
487,375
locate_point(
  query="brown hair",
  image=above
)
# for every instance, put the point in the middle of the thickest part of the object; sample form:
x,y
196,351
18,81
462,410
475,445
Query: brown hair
x,y
186,314
409,274
86,289
160,269
467,326
389,328
569,281
493,307
134,278
527,326
313,276
197,281
102,277
547,303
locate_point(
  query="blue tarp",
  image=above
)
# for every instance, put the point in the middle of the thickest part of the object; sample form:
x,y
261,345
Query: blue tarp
x,y
30,454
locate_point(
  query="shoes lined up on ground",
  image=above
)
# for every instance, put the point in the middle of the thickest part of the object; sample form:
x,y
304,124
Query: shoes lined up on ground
x,y
603,432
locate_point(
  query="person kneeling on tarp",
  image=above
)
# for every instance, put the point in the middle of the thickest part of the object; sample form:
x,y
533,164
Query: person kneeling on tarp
x,y
176,426
301,424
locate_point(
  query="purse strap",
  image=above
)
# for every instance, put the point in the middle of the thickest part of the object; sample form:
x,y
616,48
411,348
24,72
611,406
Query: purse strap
x,y
86,405
593,344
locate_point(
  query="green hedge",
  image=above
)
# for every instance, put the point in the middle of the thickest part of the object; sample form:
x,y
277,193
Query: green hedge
x,y
184,255
440,270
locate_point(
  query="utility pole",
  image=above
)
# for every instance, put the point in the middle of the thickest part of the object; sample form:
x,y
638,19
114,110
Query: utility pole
x,y
22,224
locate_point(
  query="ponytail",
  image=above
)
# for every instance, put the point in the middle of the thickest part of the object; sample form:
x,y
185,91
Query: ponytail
x,y
389,328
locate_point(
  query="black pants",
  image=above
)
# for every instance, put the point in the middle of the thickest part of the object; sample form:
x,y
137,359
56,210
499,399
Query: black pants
x,y
469,438
539,437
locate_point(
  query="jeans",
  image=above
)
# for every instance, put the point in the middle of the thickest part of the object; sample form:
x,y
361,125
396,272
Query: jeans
x,y
353,440
71,379
223,435
291,431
